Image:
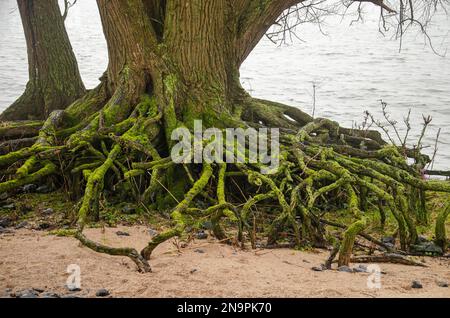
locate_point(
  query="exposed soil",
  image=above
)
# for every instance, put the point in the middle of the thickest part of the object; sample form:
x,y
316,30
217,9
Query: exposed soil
x,y
205,268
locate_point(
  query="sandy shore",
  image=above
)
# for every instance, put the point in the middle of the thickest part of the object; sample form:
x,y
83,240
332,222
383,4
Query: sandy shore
x,y
31,259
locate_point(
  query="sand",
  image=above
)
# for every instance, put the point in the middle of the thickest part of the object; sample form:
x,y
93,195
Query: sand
x,y
32,259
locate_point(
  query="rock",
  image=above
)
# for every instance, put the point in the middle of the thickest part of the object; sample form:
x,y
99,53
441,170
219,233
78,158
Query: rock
x,y
345,269
207,225
193,271
102,293
48,211
43,226
442,284
11,206
69,296
152,232
128,209
423,239
43,189
3,196
317,269
427,248
201,235
72,288
5,222
416,285
360,269
50,295
26,293
120,233
21,225
388,240
39,290
199,251
29,188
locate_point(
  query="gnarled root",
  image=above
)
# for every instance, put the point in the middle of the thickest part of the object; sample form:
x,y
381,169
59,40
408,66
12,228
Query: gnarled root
x,y
323,168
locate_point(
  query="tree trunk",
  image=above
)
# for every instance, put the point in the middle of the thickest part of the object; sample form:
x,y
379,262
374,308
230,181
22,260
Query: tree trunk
x,y
54,78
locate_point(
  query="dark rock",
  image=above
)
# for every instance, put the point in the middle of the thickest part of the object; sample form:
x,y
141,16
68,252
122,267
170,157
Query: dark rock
x,y
152,232
72,288
207,225
5,222
199,251
345,269
3,196
359,270
442,284
43,226
29,188
48,211
193,271
39,290
416,285
44,189
128,209
317,269
427,248
120,233
11,206
306,261
201,235
21,225
423,239
388,240
102,293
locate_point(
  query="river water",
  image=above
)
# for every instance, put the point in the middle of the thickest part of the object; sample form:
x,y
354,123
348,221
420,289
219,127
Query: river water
x,y
352,68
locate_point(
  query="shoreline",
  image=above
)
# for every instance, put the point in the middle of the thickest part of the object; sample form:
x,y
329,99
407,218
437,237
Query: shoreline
x,y
204,268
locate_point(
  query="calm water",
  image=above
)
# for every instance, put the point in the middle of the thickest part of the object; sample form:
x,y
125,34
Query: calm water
x,y
353,67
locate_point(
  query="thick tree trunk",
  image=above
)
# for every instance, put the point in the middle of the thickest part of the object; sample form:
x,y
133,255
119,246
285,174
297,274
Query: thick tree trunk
x,y
54,78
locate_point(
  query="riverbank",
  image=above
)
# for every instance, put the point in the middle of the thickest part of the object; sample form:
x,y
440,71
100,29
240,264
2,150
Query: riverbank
x,y
204,268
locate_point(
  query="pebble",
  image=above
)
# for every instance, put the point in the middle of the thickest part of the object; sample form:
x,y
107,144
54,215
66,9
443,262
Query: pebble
x,y
3,196
21,225
120,233
416,285
48,211
73,288
202,235
26,293
388,240
442,284
44,189
193,271
360,269
317,269
29,188
199,251
43,226
207,225
152,232
5,222
102,293
345,269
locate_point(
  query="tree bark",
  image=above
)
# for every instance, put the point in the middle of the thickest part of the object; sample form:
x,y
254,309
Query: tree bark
x,y
54,78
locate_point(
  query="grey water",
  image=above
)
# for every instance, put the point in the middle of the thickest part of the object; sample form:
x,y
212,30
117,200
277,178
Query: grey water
x,y
351,66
